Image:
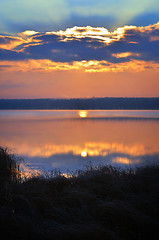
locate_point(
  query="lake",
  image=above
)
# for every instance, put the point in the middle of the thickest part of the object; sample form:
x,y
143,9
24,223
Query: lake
x,y
71,139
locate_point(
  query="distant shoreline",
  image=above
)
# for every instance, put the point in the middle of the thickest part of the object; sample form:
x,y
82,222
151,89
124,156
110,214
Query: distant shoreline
x,y
106,103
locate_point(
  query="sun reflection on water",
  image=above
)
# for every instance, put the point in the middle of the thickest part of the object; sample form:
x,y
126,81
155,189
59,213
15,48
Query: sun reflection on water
x,y
83,153
125,160
83,114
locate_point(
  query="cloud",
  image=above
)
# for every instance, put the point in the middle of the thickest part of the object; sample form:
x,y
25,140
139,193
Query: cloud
x,y
90,48
46,65
28,33
125,54
9,42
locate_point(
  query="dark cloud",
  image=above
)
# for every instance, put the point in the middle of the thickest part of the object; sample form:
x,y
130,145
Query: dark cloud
x,y
5,40
88,43
74,50
10,55
138,42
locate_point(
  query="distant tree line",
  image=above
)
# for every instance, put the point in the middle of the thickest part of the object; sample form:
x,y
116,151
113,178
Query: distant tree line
x,y
81,103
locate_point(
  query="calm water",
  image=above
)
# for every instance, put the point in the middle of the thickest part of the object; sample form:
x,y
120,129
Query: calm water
x,y
71,139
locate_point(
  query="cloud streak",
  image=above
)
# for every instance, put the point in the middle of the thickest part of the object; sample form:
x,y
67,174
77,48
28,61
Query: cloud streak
x,y
87,48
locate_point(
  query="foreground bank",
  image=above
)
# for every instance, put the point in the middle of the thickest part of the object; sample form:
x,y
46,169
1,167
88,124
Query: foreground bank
x,y
98,203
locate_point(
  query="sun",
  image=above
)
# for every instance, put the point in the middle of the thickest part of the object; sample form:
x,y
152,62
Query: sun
x,y
83,114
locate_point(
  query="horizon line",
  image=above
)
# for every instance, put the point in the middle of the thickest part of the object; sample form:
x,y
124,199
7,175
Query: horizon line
x,y
78,98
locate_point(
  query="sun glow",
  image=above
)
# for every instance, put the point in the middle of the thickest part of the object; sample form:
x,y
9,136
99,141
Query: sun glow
x,y
83,114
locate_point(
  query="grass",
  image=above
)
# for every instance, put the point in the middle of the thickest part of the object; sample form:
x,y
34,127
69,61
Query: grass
x,y
98,203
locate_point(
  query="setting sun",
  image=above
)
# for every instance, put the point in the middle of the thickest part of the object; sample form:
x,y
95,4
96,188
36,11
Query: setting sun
x,y
83,114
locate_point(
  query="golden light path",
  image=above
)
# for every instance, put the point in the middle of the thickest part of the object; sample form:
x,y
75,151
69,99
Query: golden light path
x,y
89,149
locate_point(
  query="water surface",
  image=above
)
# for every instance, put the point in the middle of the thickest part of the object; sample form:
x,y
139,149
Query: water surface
x,y
68,140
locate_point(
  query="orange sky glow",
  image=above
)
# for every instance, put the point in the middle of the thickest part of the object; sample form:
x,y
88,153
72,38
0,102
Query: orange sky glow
x,y
77,83
80,62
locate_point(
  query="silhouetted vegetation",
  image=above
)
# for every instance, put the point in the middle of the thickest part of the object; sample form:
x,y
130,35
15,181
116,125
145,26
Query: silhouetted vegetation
x,y
98,203
9,172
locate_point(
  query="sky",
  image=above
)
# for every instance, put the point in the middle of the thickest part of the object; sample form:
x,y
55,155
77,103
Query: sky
x,y
79,48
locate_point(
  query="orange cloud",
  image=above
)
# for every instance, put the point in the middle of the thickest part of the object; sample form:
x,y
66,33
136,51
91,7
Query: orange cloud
x,y
125,54
99,33
24,40
28,33
9,43
46,65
